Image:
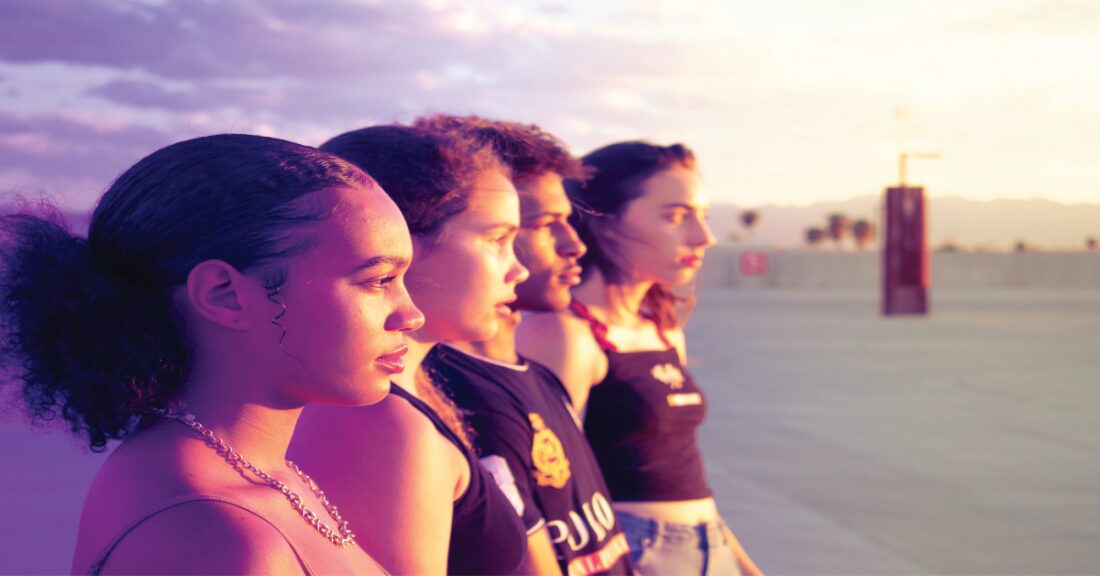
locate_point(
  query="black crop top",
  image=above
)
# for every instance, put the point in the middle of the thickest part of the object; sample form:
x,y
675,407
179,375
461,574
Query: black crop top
x,y
486,535
642,422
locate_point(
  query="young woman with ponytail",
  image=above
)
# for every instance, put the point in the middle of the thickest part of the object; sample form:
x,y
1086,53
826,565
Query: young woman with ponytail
x,y
225,282
619,350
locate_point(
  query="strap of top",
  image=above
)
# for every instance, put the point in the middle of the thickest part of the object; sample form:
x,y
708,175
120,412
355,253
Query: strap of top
x,y
599,329
430,413
102,558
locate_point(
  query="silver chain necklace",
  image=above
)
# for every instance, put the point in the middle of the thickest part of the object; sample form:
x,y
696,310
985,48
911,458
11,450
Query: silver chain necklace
x,y
342,538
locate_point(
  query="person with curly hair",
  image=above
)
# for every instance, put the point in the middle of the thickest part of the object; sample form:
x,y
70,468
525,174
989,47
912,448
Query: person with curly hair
x,y
407,462
225,282
526,433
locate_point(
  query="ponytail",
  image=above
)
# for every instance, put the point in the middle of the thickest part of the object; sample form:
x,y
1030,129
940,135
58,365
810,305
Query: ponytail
x,y
93,348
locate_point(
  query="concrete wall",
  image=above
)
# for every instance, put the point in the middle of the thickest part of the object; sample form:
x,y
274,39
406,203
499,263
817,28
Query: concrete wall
x,y
806,269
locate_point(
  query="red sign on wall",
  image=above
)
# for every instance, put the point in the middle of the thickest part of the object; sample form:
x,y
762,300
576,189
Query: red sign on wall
x,y
754,263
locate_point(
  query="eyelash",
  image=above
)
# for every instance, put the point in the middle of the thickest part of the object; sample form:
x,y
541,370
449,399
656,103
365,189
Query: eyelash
x,y
678,218
378,283
544,225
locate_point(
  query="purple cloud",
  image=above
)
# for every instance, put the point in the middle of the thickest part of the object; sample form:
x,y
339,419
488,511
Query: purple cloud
x,y
147,94
61,150
241,39
309,71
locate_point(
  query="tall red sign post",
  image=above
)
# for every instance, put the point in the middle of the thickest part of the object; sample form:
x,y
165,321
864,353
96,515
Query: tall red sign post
x,y
905,264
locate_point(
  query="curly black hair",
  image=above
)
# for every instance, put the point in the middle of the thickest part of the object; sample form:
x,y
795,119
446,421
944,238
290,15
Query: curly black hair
x,y
429,175
526,149
87,325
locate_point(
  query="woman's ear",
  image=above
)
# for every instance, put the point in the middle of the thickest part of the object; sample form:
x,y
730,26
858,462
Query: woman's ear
x,y
219,293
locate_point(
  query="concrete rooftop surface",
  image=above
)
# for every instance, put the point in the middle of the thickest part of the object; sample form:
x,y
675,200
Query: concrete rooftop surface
x,y
965,442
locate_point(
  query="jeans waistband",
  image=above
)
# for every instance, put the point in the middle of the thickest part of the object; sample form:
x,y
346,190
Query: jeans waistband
x,y
706,534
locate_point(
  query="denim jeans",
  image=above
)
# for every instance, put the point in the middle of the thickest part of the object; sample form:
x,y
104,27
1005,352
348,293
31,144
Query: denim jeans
x,y
665,549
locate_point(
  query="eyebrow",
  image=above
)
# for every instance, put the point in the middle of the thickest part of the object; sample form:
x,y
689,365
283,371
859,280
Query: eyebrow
x,y
395,261
502,226
684,206
544,213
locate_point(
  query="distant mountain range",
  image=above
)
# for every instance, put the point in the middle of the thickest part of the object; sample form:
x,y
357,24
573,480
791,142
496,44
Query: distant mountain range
x,y
967,224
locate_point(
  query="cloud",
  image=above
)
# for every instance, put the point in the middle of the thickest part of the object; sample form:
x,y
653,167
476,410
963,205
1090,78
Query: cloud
x,y
305,72
158,95
239,39
66,151
1052,17
339,65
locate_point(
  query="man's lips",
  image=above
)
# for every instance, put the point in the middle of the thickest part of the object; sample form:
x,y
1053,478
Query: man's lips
x,y
571,276
692,261
393,362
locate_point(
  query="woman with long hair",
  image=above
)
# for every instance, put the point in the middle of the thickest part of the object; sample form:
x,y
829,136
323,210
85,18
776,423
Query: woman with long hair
x,y
407,461
224,283
620,351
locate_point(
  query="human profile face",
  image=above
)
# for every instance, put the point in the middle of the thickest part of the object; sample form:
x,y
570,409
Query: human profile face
x,y
547,245
661,235
464,277
346,307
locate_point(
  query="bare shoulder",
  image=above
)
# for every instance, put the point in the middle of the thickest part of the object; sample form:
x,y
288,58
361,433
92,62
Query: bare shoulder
x,y
391,473
143,472
679,341
392,429
548,333
203,536
565,345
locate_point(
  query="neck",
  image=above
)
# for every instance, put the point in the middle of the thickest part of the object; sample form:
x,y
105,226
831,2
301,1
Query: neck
x,y
501,347
620,299
254,426
418,350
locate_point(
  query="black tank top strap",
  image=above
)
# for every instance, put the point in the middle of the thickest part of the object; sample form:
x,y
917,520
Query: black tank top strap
x,y
425,409
487,536
101,559
599,329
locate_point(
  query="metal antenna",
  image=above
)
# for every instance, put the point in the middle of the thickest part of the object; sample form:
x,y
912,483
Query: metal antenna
x,y
900,116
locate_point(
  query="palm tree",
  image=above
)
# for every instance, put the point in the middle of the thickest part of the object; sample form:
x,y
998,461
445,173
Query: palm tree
x,y
839,226
749,218
863,232
814,235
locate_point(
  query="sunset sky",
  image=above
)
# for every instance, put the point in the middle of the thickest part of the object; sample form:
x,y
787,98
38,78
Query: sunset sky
x,y
785,101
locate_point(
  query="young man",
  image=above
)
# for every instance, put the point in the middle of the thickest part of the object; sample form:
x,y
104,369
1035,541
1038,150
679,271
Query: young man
x,y
525,430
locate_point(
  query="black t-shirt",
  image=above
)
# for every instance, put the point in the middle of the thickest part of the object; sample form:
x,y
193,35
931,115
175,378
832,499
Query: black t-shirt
x,y
485,536
529,439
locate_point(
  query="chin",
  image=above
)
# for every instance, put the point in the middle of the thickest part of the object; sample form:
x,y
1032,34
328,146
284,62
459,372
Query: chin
x,y
361,390
682,277
372,393
545,303
483,331
558,304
